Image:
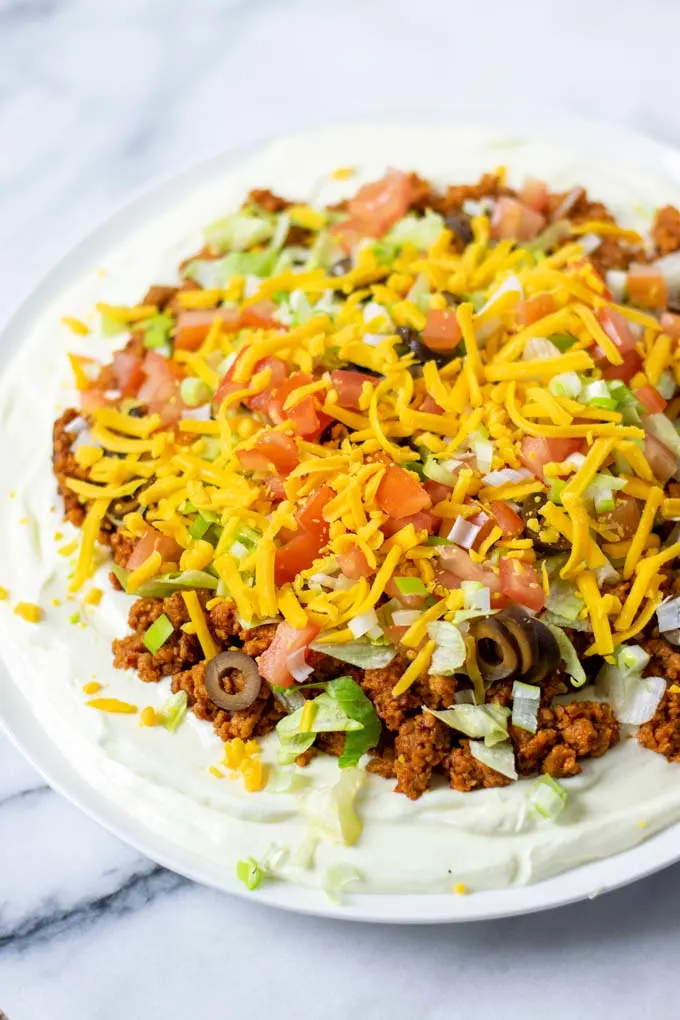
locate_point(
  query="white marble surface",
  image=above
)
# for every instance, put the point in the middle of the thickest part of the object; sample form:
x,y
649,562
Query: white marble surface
x,y
96,100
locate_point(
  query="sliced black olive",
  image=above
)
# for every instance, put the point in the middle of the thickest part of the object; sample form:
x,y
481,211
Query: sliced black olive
x,y
364,371
242,671
530,511
548,654
497,654
412,340
539,651
460,225
137,411
520,626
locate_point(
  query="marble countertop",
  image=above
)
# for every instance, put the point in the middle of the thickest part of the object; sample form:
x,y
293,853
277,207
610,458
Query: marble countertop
x,y
96,100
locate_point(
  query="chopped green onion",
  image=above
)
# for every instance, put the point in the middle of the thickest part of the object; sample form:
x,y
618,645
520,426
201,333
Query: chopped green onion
x,y
548,797
563,342
433,470
199,526
195,392
112,327
526,700
567,384
556,489
174,710
436,540
410,586
157,634
250,873
156,330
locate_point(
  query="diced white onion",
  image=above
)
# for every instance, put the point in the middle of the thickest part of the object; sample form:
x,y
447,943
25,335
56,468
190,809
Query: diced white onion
x,y
344,583
512,285
505,476
363,623
202,413
576,459
405,617
84,438
375,632
325,580
590,243
607,574
540,349
373,339
668,614
476,596
297,667
239,550
373,311
116,394
500,757
463,533
76,425
616,280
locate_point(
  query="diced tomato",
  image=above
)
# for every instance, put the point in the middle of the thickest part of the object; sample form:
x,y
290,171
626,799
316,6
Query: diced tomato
x,y
421,521
273,663
270,450
520,582
260,316
348,386
457,566
646,287
129,372
671,324
507,519
275,488
400,494
303,414
485,524
624,519
514,221
617,329
534,194
535,308
632,363
310,516
348,233
296,555
354,564
193,325
661,460
430,405
92,399
160,389
536,452
441,332
378,205
152,541
437,491
651,398
279,372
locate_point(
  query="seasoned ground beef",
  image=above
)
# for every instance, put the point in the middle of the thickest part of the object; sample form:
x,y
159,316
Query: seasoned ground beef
x,y
422,744
488,186
267,200
662,732
666,230
159,296
466,773
665,659
65,466
178,653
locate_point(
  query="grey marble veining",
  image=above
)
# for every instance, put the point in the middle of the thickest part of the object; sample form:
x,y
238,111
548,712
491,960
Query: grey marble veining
x,y
97,99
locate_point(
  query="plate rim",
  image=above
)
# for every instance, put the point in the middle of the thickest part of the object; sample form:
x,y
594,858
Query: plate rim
x,y
28,734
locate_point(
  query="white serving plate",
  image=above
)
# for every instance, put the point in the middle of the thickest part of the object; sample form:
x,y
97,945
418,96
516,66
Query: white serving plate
x,y
617,147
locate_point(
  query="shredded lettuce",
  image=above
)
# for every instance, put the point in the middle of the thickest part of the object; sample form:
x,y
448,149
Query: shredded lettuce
x,y
633,698
166,584
500,757
662,428
450,652
341,708
487,721
362,653
211,273
526,699
331,810
238,231
337,878
420,231
568,654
